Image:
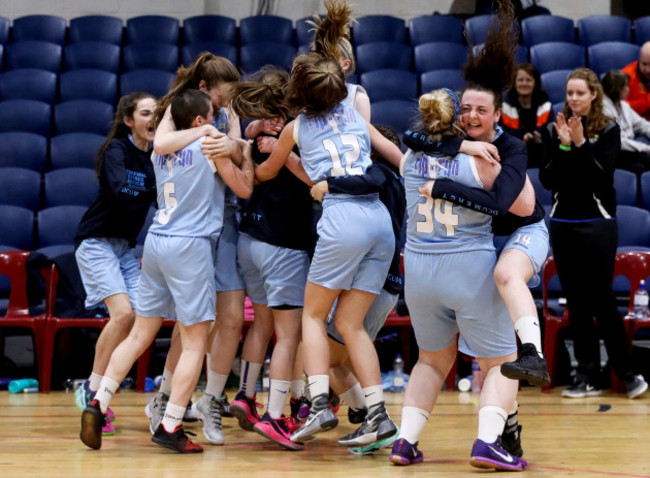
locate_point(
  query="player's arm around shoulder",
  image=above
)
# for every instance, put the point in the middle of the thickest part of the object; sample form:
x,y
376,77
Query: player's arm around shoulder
x,y
270,168
238,177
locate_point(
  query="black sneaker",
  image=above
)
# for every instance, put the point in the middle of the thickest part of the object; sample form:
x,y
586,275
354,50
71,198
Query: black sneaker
x,y
581,389
635,386
356,416
92,421
226,407
375,427
511,437
176,441
334,401
528,366
321,419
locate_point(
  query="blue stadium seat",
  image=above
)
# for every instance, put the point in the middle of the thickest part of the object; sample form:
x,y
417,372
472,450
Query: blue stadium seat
x,y
398,114
92,55
47,28
556,108
641,30
88,116
96,28
439,56
612,55
547,28
16,227
77,186
2,55
430,28
372,28
4,30
542,194
254,56
58,225
557,56
633,226
390,85
20,187
155,82
29,84
74,150
303,34
432,80
34,54
555,84
152,28
26,115
190,51
625,183
265,28
645,190
150,55
521,54
210,28
599,28
23,150
97,85
477,27
381,55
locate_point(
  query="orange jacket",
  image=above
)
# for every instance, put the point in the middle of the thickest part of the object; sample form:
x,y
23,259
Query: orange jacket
x,y
639,97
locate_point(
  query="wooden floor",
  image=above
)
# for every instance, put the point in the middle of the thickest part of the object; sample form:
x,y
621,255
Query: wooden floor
x,y
599,436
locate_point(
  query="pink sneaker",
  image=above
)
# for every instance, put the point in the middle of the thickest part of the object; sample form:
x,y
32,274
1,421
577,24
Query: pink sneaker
x,y
279,431
108,429
109,414
245,410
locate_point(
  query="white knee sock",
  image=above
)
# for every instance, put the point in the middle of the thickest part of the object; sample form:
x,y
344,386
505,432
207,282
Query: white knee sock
x,y
105,392
248,378
173,416
216,383
318,385
278,391
373,395
95,379
413,421
354,397
166,384
528,331
297,388
491,421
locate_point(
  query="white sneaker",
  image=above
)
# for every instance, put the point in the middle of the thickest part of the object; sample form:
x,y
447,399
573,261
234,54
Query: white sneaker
x,y
209,410
155,410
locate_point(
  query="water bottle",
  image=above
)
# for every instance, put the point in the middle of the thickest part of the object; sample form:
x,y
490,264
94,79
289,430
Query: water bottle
x,y
477,377
23,385
641,302
465,384
398,374
266,374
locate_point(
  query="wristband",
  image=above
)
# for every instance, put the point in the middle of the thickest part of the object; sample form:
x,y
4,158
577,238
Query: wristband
x,y
564,147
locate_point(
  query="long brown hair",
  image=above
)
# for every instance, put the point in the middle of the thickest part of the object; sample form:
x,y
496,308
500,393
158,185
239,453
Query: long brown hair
x,y
596,119
125,109
207,67
332,33
263,96
316,86
491,68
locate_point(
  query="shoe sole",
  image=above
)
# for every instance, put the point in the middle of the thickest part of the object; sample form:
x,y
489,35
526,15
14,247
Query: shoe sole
x,y
535,379
324,427
486,463
242,417
289,445
373,447
403,461
200,416
91,429
639,392
582,395
172,448
369,439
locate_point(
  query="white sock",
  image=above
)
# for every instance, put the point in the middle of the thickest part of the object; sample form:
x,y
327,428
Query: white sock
x,y
491,421
354,397
318,385
515,407
373,395
166,384
216,383
95,379
278,391
527,328
105,391
297,388
413,421
173,416
248,378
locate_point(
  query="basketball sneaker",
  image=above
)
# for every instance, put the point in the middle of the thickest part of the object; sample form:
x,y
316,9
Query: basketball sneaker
x,y
511,439
528,366
299,408
188,416
92,421
356,416
321,418
373,447
405,453
334,401
279,431
495,457
581,389
377,426
226,407
109,414
176,441
83,396
209,410
244,409
155,410
635,386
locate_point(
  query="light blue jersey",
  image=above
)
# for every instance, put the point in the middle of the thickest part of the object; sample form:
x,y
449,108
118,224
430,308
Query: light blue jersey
x,y
190,198
336,144
436,225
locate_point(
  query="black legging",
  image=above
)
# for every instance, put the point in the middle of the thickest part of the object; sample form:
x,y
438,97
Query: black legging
x,y
584,254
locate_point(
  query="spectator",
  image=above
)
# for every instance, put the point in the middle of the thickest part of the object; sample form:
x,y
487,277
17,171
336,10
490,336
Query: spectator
x,y
639,73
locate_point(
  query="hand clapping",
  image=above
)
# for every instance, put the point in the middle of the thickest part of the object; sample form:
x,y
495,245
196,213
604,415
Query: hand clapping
x,y
570,131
